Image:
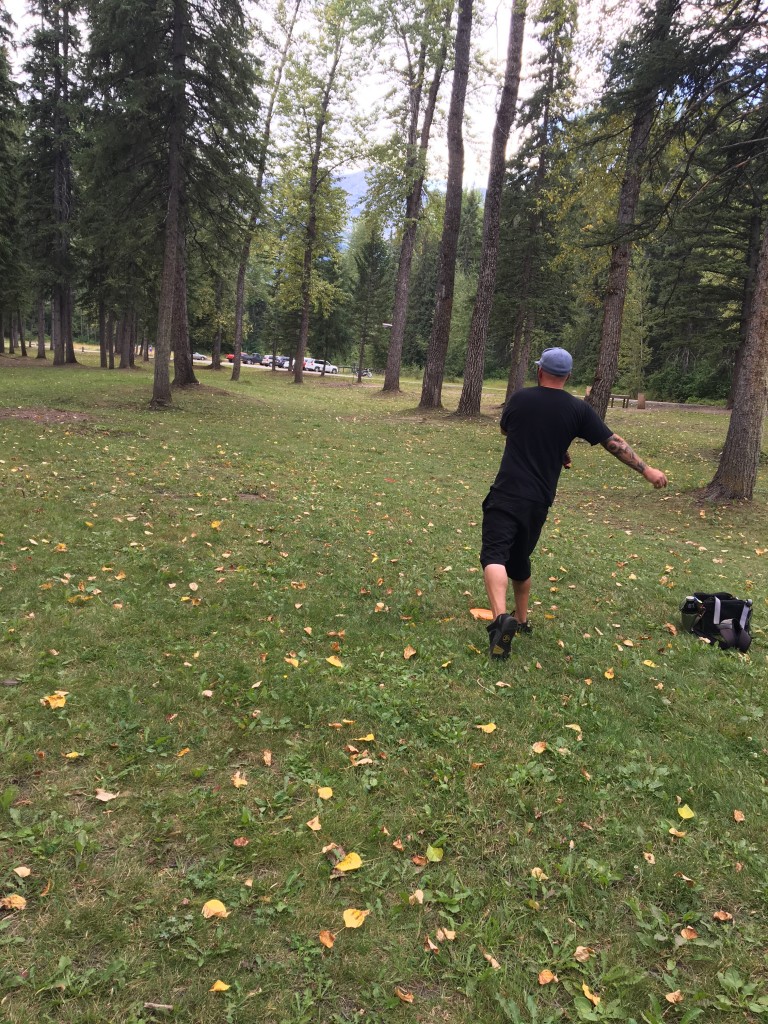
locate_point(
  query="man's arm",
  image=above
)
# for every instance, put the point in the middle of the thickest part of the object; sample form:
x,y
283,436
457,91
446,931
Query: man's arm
x,y
618,446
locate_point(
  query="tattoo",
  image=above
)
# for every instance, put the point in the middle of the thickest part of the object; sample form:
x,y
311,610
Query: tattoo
x,y
618,446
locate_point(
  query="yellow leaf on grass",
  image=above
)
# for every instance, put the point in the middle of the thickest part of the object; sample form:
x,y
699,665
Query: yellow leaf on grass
x,y
609,673
325,792
219,986
674,997
349,863
583,953
490,727
678,835
55,700
547,977
722,915
336,662
481,613
402,995
491,960
292,661
650,664
354,918
409,652
595,1000
22,871
434,854
650,858
214,908
239,780
193,587
72,755
539,875
738,816
417,896
104,796
327,938
689,934
430,946
13,902
364,739
685,812
539,748
574,727
314,824
445,935
266,757
216,524
183,752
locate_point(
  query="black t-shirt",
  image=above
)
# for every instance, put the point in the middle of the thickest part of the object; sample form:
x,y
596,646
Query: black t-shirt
x,y
540,424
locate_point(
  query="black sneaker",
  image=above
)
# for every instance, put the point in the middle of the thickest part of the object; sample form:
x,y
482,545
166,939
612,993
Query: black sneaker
x,y
525,627
501,633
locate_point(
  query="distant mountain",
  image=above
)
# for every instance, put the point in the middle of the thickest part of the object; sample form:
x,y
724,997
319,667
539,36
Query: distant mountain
x,y
355,185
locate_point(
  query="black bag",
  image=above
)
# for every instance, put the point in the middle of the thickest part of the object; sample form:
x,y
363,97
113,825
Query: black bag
x,y
720,618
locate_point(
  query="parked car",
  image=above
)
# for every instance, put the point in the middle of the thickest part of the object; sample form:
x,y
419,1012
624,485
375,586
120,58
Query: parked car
x,y
321,364
266,360
251,357
284,362
197,356
309,363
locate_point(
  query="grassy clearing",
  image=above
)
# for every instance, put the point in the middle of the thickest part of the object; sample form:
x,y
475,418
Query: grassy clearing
x,y
149,559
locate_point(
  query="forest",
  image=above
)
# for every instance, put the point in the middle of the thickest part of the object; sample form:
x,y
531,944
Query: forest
x,y
172,178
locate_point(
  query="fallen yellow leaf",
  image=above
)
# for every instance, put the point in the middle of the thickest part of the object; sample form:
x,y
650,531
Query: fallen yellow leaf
x,y
595,1000
239,780
314,824
266,757
685,812
539,875
104,796
445,935
336,662
481,613
402,995
722,915
609,673
13,902
219,986
539,748
354,918
183,752
327,938
292,661
650,664
73,755
55,700
650,858
674,997
417,896
738,816
214,908
364,739
583,953
22,871
546,977
678,835
349,863
491,960
325,792
409,652
216,524
689,934
490,727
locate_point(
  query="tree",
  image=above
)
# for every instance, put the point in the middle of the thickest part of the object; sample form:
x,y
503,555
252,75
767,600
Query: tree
x,y
737,470
446,278
471,392
11,238
370,295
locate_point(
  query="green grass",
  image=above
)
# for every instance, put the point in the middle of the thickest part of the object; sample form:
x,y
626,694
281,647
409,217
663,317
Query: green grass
x,y
330,501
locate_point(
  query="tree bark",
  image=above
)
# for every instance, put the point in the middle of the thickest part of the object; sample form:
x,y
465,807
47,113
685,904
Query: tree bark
x,y
11,334
124,342
2,333
621,251
111,340
437,349
102,334
22,339
183,367
753,256
161,392
41,328
216,355
418,143
737,470
472,389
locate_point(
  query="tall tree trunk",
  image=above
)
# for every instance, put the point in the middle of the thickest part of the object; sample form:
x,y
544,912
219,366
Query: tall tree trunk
x,y
2,332
111,340
40,328
57,327
161,391
124,341
216,357
69,344
621,251
437,349
418,143
753,256
472,389
22,340
134,331
737,470
183,368
518,362
102,334
145,344
11,334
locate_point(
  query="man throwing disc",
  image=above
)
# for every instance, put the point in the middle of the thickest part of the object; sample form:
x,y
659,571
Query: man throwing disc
x,y
539,423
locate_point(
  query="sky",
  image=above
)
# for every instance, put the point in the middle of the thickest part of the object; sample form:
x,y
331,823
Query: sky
x,y
491,39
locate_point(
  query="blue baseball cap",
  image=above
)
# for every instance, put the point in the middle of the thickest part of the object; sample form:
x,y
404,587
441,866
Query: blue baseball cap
x,y
556,361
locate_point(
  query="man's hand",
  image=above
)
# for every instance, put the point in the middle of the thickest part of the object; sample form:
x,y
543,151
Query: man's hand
x,y
655,477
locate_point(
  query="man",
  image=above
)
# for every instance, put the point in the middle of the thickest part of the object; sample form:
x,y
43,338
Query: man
x,y
539,423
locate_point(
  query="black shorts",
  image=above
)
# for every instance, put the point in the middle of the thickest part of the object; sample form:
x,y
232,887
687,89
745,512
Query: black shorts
x,y
511,530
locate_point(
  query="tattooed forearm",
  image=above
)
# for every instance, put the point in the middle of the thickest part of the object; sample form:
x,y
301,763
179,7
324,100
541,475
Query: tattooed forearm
x,y
618,446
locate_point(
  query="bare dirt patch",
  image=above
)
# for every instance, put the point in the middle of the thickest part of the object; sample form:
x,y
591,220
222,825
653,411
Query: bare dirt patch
x,y
44,415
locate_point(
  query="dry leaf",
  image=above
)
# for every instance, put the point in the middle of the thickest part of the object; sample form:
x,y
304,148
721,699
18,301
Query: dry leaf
x,y
266,757
55,700
194,586
685,812
314,824
239,780
547,977
327,938
364,739
398,845
481,613
417,896
445,935
183,752
292,661
355,918
490,727
219,986
583,953
674,997
240,842
677,834
590,995
722,915
22,871
539,875
738,816
689,934
104,796
351,862
650,664
402,995
336,662
216,524
409,652
539,748
13,902
73,755
325,792
206,693
609,673
688,881
670,628
214,908
430,946
650,858
491,960
419,860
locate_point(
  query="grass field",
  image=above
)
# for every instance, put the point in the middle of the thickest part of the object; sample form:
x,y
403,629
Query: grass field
x,y
229,594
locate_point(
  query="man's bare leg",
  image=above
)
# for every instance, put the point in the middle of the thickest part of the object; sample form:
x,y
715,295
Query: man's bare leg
x,y
522,590
496,580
